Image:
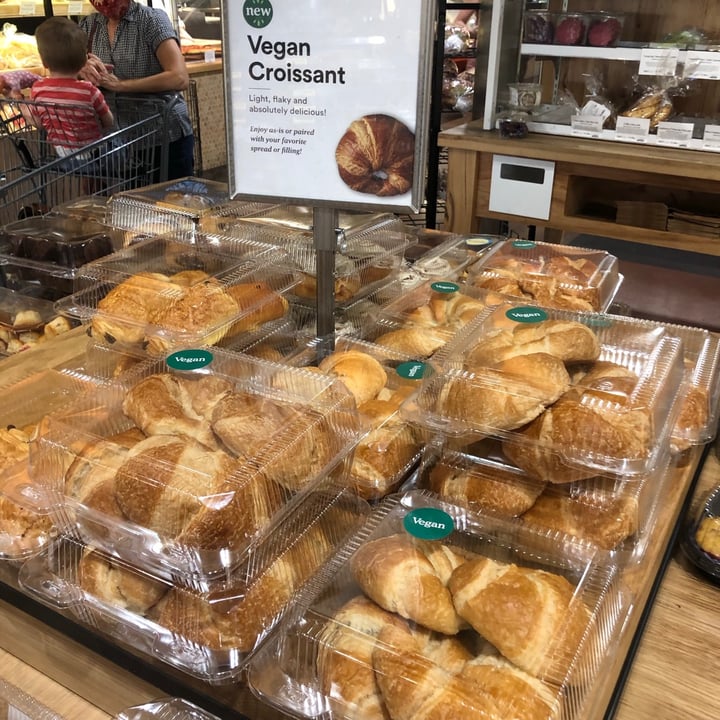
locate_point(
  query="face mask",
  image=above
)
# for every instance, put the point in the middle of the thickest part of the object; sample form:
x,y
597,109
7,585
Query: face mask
x,y
112,9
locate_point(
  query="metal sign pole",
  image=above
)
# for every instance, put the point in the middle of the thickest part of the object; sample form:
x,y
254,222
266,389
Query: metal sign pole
x,y
325,225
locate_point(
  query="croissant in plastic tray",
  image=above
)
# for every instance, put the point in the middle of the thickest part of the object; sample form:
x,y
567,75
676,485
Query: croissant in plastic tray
x,y
185,469
571,395
428,607
210,634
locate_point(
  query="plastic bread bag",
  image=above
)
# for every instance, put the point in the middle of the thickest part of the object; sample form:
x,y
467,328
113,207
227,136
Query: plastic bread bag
x,y
596,102
654,101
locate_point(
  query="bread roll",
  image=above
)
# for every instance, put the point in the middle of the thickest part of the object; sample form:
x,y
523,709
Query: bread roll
x,y
531,616
118,585
450,311
257,304
505,396
416,687
362,374
409,577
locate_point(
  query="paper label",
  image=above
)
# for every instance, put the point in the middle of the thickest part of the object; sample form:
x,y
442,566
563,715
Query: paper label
x,y
28,7
75,8
658,61
587,125
209,56
634,129
711,137
428,524
674,134
189,359
702,65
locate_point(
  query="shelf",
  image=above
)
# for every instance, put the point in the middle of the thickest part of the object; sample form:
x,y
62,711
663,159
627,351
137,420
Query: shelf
x,y
631,54
37,8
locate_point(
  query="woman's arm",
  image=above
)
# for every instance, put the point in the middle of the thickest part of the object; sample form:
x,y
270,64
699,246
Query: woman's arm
x,y
174,75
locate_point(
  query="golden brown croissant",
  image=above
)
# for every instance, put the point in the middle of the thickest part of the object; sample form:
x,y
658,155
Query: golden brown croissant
x,y
531,616
409,577
362,374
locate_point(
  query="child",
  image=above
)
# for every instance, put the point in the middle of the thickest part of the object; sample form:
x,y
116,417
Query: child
x,y
76,112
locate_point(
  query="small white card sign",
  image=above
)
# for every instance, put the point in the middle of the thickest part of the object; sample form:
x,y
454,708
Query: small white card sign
x,y
327,103
632,129
711,138
674,134
702,65
658,61
587,125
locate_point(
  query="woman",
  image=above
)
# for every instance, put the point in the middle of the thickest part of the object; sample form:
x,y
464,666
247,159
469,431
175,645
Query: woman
x,y
134,49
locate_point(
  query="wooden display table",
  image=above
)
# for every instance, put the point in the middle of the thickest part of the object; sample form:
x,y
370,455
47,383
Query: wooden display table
x,y
672,677
591,177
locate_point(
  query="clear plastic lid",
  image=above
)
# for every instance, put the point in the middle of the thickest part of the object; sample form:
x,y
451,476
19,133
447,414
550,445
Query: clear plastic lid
x,y
184,464
161,295
559,276
16,704
430,607
572,395
166,709
36,279
700,539
91,207
209,635
380,380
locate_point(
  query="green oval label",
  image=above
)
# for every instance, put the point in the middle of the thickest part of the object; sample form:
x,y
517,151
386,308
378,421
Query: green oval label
x,y
445,287
258,13
428,524
480,241
523,244
527,314
189,359
411,370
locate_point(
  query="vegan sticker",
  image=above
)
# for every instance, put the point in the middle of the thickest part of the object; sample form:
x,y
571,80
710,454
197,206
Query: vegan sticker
x,y
189,359
428,524
527,314
445,287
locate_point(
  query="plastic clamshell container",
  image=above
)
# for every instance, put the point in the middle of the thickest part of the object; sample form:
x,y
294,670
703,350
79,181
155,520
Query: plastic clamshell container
x,y
59,240
701,536
22,321
571,28
35,279
617,427
605,29
538,27
16,704
198,296
173,708
561,276
423,320
607,512
26,525
380,381
91,207
209,635
341,645
697,420
370,248
220,473
175,205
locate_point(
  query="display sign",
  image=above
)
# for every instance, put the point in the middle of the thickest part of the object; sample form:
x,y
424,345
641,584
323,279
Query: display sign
x,y
328,103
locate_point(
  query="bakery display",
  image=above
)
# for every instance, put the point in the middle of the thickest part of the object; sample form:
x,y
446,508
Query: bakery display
x,y
550,275
491,621
376,156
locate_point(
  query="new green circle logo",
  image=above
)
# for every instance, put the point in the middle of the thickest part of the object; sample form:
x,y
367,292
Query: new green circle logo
x,y
428,524
258,13
189,359
527,314
523,244
411,370
445,287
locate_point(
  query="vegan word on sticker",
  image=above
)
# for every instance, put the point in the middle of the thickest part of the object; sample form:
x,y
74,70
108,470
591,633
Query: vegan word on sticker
x,y
428,524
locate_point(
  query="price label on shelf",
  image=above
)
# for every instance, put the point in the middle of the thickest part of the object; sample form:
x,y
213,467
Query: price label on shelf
x,y
711,138
700,65
658,61
632,129
75,8
674,134
209,56
28,7
587,125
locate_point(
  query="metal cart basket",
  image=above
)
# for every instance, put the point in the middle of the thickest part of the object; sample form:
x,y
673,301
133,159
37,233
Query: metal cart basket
x,y
37,174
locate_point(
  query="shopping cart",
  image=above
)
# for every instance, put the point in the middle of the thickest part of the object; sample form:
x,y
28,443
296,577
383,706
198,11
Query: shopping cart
x,y
39,174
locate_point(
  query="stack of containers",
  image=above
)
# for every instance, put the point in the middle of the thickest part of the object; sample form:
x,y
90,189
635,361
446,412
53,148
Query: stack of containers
x,y
430,610
368,260
15,703
180,206
561,419
162,295
193,497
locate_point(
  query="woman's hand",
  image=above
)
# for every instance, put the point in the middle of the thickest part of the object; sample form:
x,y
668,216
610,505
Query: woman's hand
x,y
93,70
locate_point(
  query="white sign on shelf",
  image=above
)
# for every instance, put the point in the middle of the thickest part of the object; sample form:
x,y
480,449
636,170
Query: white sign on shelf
x,y
587,125
674,134
29,7
74,8
209,56
702,65
328,104
658,61
711,137
632,129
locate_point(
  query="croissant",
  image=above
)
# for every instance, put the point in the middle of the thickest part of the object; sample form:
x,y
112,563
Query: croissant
x,y
376,155
409,577
415,342
531,616
361,373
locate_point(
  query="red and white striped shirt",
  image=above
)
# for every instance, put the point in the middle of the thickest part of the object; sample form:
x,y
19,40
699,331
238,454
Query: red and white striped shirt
x,y
77,124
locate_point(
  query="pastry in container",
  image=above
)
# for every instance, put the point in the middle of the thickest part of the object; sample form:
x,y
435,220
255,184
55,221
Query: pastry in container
x,y
430,611
26,321
423,320
185,464
605,29
571,28
380,380
571,395
17,703
700,539
211,634
609,513
171,708
47,251
160,295
538,27
559,276
176,206
370,248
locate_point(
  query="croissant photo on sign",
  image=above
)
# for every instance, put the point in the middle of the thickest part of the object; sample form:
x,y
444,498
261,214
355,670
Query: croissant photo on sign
x,y
376,155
